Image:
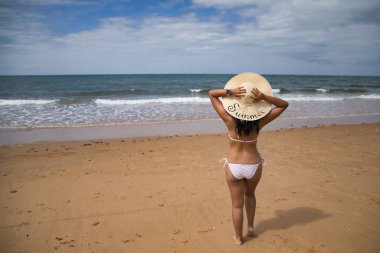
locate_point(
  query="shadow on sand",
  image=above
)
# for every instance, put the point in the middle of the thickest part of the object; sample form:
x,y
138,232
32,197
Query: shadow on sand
x,y
288,218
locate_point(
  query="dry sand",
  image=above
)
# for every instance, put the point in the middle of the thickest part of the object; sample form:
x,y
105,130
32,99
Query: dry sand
x,y
320,192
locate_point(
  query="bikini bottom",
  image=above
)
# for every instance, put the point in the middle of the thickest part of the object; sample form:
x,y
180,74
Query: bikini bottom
x,y
240,171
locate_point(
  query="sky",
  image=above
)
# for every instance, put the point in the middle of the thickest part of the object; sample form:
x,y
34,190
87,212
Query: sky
x,y
317,37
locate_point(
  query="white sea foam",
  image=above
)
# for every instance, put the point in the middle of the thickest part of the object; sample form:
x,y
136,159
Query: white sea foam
x,y
174,100
25,101
275,91
322,90
195,90
369,96
314,98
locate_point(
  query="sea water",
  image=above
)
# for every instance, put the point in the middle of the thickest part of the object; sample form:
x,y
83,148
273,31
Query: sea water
x,y
93,100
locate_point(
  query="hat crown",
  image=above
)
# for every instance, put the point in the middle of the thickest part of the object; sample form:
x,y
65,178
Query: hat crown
x,y
246,99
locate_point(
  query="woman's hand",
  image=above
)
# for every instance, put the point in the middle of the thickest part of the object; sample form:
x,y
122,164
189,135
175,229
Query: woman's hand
x,y
238,92
257,95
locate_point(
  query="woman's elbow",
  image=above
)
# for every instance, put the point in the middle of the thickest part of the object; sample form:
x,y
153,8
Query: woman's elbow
x,y
285,104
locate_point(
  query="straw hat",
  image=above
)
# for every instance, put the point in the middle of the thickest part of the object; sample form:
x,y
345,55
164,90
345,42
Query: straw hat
x,y
245,108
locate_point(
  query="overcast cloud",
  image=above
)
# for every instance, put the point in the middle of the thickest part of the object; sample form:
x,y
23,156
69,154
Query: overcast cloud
x,y
203,36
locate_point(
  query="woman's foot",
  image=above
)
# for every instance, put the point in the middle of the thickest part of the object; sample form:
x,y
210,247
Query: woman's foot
x,y
250,232
237,240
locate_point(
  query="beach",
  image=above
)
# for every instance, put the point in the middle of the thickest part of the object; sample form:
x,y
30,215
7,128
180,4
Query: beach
x,y
320,192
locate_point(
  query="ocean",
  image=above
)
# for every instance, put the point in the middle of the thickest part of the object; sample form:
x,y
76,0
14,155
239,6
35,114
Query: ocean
x,y
98,100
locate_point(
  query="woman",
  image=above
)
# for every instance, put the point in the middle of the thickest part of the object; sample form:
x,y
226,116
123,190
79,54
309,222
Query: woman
x,y
244,161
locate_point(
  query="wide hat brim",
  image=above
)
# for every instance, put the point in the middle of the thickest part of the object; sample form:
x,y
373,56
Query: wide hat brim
x,y
245,108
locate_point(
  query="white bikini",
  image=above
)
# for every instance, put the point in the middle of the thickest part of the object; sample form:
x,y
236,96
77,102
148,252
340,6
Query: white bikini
x,y
241,171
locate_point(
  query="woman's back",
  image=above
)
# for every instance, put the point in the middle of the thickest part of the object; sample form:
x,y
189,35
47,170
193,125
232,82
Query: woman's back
x,y
243,149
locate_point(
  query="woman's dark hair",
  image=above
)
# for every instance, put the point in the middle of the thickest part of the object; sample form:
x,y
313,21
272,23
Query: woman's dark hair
x,y
245,127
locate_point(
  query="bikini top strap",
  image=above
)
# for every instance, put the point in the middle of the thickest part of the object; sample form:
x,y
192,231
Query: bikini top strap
x,y
237,140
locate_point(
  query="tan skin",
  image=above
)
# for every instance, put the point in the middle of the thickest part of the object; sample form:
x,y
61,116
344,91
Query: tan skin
x,y
243,191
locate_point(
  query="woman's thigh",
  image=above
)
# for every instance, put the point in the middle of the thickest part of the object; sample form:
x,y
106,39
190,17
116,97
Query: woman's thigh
x,y
250,184
236,188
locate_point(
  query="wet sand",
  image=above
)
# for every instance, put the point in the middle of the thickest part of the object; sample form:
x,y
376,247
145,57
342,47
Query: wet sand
x,y
320,192
170,128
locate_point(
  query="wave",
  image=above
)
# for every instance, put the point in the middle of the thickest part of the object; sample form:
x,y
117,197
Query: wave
x,y
315,98
314,90
73,101
328,98
96,93
173,100
26,101
195,90
348,90
369,96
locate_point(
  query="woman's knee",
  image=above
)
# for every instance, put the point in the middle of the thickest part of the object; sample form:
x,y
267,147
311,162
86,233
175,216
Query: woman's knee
x,y
238,203
248,196
249,192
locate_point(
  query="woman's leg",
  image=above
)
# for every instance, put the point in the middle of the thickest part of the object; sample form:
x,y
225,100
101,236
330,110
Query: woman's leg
x,y
237,197
250,199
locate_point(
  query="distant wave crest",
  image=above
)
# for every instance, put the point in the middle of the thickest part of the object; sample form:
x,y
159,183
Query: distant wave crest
x,y
369,96
195,90
25,101
314,98
173,100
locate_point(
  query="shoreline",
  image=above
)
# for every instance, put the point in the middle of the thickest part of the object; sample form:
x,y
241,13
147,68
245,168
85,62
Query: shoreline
x,y
170,128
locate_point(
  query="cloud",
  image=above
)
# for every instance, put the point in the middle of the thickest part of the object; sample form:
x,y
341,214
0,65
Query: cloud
x,y
122,44
339,32
224,3
316,37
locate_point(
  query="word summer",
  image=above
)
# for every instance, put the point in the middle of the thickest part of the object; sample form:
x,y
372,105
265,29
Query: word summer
x,y
248,117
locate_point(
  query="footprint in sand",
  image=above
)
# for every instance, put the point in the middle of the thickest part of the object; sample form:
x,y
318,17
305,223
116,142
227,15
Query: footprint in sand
x,y
280,199
70,243
98,195
374,201
280,239
206,231
132,240
176,232
120,197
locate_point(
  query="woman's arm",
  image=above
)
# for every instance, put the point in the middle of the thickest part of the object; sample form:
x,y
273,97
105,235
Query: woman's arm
x,y
280,104
217,104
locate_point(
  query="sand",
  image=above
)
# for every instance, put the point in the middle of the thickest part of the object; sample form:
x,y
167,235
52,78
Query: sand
x,y
320,192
